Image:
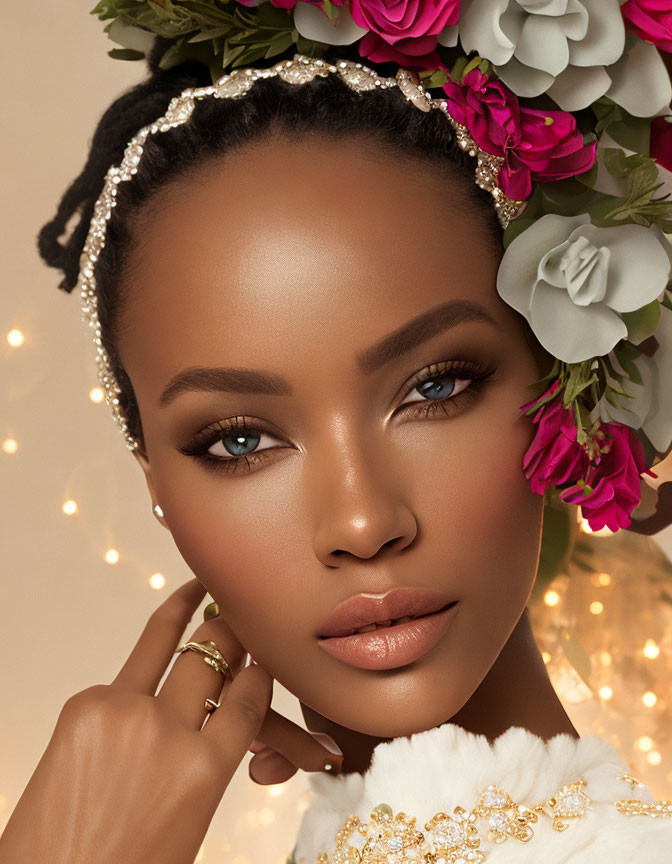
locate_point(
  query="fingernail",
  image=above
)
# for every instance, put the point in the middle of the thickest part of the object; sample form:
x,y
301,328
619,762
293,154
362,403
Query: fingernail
x,y
328,742
211,611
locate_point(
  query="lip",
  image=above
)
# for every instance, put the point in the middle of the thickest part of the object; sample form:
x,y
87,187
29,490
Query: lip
x,y
363,609
392,646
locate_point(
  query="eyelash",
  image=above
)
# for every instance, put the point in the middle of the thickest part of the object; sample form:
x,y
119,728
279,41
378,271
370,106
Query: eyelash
x,y
475,372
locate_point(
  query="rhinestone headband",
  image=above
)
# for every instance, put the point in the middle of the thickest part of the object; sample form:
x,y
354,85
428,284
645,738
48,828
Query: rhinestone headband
x,y
299,70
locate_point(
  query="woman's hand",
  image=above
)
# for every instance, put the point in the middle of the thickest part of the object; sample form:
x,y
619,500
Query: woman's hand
x,y
136,776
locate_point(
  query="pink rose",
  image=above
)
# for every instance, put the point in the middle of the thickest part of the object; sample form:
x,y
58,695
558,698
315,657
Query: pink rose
x,y
416,54
661,142
650,20
612,489
554,456
397,20
535,145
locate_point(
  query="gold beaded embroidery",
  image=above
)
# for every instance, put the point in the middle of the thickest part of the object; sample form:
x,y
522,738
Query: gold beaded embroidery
x,y
456,838
635,807
299,70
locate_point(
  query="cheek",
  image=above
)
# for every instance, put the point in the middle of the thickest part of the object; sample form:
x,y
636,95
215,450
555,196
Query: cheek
x,y
239,538
491,520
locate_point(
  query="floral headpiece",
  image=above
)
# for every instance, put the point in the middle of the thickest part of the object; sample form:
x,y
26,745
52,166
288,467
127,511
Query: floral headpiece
x,y
565,107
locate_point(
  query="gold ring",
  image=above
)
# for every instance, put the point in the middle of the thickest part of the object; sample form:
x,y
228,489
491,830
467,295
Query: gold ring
x,y
211,654
211,705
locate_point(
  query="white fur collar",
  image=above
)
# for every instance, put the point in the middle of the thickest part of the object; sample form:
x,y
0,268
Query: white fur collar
x,y
446,766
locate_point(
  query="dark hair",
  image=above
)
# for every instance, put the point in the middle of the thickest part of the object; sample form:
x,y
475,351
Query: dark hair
x,y
325,107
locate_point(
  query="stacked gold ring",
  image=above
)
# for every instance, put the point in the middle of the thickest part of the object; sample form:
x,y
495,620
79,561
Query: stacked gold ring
x,y
213,657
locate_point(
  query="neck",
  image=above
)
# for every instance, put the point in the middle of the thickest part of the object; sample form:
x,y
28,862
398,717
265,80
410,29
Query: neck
x,y
516,692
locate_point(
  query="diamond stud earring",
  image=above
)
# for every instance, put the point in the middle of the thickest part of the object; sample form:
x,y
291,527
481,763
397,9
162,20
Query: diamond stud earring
x,y
158,512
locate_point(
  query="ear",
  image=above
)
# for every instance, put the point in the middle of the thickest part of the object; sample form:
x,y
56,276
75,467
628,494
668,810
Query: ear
x,y
144,464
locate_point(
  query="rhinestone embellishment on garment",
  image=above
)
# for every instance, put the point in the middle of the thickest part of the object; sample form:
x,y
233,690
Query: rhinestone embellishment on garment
x,y
457,838
299,70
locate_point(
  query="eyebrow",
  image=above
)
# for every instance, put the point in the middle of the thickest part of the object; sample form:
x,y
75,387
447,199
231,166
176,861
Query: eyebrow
x,y
405,338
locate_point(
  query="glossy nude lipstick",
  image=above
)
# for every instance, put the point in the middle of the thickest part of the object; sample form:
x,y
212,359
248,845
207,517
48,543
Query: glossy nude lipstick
x,y
387,642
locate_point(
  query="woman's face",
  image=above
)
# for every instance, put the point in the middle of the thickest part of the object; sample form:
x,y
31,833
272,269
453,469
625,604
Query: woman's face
x,y
298,261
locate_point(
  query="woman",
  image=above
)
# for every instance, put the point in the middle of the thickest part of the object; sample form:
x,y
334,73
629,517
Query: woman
x,y
301,298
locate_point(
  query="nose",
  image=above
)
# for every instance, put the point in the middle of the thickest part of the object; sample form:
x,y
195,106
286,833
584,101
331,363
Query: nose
x,y
360,503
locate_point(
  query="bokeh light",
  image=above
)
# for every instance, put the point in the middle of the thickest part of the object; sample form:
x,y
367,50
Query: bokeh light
x,y
157,581
10,445
551,598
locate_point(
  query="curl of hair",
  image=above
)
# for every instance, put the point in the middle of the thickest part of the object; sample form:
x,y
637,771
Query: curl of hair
x,y
324,107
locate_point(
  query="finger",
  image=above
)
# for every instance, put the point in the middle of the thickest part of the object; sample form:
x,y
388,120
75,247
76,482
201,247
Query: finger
x,y
305,750
154,650
268,768
191,680
236,723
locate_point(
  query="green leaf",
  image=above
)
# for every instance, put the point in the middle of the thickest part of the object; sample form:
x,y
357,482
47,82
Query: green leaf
x,y
330,10
611,398
556,539
457,72
643,322
565,197
472,64
633,133
589,177
433,78
125,54
627,354
211,34
283,42
172,57
618,164
229,55
581,376
514,228
629,131
607,112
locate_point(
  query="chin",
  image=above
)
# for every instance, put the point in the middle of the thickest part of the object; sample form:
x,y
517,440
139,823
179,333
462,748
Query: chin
x,y
387,707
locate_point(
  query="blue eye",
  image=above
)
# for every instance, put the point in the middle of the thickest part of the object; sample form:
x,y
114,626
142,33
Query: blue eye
x,y
436,387
240,443
442,387
433,390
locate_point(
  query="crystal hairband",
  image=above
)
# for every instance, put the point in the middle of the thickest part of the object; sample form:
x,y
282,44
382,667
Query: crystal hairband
x,y
299,70
455,839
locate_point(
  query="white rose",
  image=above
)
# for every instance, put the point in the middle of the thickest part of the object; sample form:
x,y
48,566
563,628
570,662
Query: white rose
x,y
311,22
130,37
574,50
570,279
650,409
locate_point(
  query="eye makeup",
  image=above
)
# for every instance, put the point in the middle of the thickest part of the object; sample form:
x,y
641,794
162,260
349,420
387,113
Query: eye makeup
x,y
240,427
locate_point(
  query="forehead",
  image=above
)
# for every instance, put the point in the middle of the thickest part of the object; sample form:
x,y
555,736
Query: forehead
x,y
329,243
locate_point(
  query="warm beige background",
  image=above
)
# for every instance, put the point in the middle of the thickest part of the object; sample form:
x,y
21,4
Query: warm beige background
x,y
68,618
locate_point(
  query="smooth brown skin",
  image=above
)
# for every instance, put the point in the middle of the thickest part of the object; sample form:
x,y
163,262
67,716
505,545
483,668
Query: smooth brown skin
x,y
280,261
294,258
